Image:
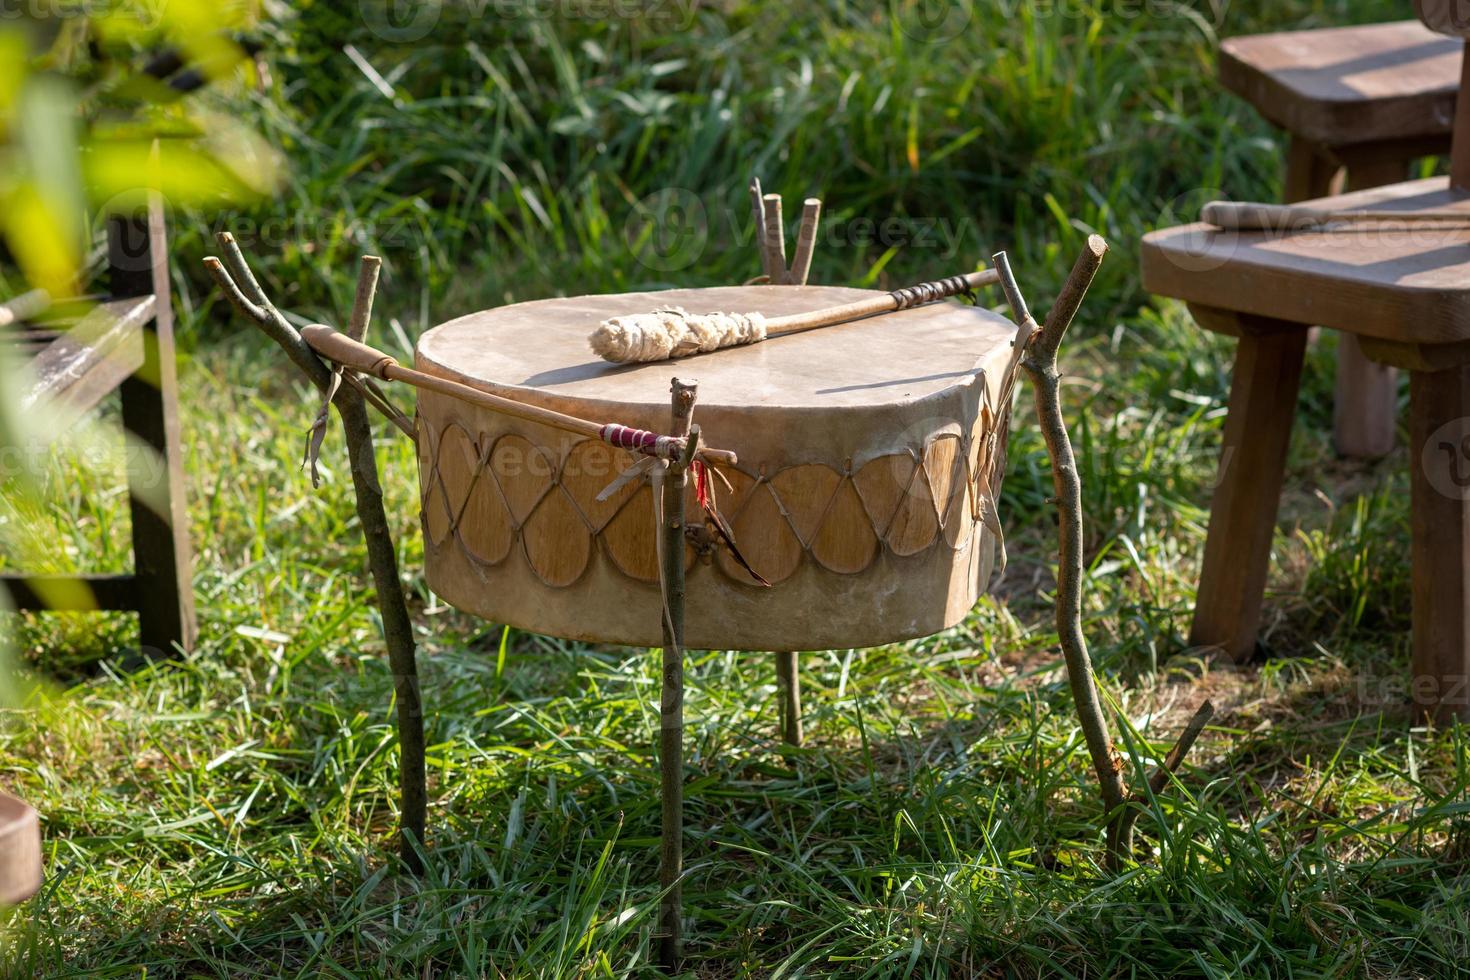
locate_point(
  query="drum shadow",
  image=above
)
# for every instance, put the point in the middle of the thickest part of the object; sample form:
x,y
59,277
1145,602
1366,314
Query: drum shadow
x,y
895,381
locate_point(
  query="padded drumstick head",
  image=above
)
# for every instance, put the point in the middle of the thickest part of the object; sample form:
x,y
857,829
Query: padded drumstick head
x,y
673,333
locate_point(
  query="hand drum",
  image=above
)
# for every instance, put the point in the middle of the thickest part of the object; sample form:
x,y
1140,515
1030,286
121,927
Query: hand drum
x,y
870,457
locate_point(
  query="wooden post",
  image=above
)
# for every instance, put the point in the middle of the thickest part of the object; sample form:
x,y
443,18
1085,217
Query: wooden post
x,y
788,681
1439,468
671,696
137,259
1232,583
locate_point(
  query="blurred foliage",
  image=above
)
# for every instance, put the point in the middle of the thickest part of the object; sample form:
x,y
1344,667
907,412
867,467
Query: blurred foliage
x,y
90,125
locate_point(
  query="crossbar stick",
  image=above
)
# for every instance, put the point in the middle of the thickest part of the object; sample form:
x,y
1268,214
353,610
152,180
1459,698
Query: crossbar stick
x,y
342,349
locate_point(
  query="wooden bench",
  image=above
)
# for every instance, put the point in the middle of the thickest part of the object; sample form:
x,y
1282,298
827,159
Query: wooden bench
x,y
1403,293
1358,104
122,343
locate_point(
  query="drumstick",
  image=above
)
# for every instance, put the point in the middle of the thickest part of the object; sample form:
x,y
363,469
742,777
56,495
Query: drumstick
x,y
1249,216
675,333
357,356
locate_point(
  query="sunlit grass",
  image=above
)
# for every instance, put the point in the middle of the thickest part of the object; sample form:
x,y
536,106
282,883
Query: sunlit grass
x,y
233,814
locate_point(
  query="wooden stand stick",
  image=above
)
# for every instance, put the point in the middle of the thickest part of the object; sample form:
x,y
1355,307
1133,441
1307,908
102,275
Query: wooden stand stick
x,y
806,242
1040,362
757,201
251,301
671,696
773,243
789,683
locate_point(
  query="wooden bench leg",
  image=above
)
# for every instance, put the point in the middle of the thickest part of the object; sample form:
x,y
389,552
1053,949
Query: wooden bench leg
x,y
163,561
1310,172
1439,432
1232,584
1365,405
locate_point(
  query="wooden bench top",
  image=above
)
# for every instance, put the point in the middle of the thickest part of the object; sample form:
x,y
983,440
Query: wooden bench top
x,y
1392,282
1346,85
75,363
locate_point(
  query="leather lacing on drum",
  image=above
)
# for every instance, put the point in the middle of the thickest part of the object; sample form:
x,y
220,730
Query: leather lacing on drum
x,y
979,458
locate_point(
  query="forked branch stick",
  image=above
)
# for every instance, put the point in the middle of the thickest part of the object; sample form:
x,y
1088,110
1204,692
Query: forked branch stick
x,y
1040,363
240,285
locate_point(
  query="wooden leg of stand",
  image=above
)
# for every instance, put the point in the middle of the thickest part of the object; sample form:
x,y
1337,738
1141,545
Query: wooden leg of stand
x,y
397,627
789,683
671,697
1439,467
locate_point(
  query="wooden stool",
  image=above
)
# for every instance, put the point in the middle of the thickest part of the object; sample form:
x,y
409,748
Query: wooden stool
x,y
1405,295
1358,103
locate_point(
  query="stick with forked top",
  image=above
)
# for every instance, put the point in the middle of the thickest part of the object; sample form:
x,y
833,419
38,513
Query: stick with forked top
x,y
674,333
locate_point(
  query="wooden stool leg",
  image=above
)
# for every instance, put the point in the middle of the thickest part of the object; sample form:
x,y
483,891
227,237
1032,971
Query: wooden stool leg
x,y
1439,432
789,683
1365,406
163,561
1309,172
1232,584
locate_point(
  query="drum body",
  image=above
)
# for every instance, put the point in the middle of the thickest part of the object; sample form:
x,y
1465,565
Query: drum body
x,y
870,456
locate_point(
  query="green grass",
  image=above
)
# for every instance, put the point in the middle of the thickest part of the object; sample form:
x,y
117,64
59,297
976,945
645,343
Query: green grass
x,y
233,814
